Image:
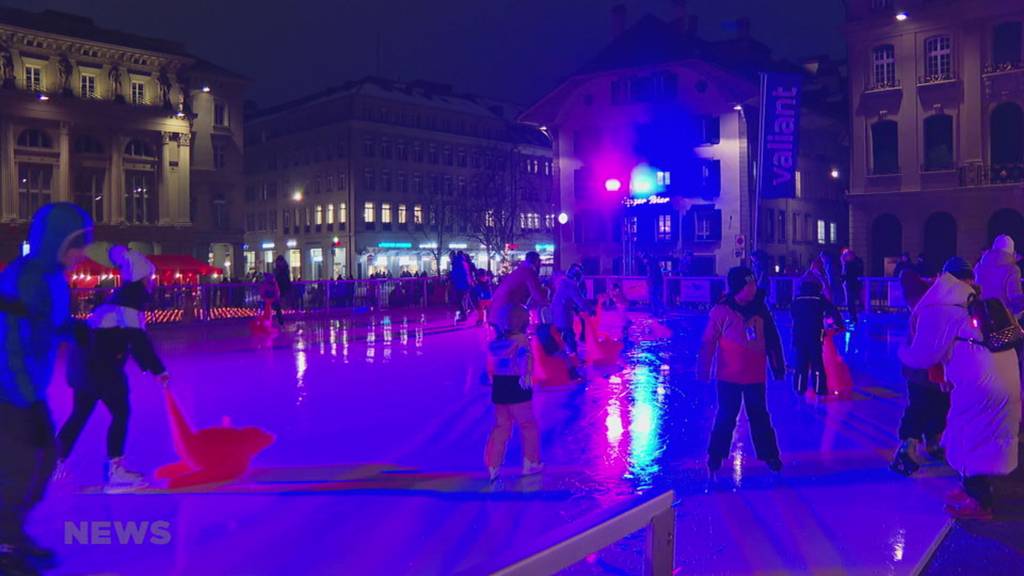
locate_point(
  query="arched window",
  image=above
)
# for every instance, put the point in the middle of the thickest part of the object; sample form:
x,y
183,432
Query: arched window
x,y
88,144
884,66
938,142
885,147
886,242
33,138
1006,43
138,148
1007,134
939,239
938,62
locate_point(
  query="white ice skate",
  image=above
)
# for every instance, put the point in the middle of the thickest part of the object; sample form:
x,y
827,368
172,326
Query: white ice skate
x,y
531,468
60,473
120,479
493,472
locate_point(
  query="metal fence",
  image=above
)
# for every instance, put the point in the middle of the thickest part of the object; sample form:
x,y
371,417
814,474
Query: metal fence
x,y
206,302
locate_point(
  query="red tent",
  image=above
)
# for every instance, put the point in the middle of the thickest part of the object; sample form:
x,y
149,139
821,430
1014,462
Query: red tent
x,y
179,263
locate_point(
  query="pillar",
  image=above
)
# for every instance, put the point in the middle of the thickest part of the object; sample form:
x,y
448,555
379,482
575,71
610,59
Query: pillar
x,y
115,181
8,173
166,190
183,215
63,188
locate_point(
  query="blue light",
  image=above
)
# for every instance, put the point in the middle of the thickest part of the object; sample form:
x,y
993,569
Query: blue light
x,y
643,182
544,247
394,245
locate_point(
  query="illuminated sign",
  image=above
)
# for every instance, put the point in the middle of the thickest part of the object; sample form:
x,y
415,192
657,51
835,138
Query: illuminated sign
x,y
545,247
647,200
293,243
394,245
458,246
267,246
428,246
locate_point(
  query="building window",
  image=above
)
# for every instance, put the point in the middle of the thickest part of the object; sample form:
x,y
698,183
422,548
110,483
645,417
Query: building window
x,y
881,4
34,181
342,213
417,215
33,78
938,142
703,229
272,217
139,149
86,144
549,221
885,147
664,179
219,161
89,191
88,85
1006,126
822,232
769,231
833,233
938,58
138,92
884,66
385,213
385,149
286,219
369,181
32,138
329,186
319,215
1006,44
403,217
711,130
782,227
220,113
330,214
664,227
403,184
140,202
368,212
385,181
797,237
369,150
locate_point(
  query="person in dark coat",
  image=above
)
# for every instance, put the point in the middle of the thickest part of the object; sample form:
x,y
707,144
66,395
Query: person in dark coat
x,y
810,310
853,271
283,275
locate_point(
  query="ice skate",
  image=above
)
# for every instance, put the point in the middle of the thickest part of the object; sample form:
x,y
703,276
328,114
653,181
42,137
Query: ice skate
x,y
531,468
120,479
60,472
968,509
935,450
774,464
904,462
714,465
493,472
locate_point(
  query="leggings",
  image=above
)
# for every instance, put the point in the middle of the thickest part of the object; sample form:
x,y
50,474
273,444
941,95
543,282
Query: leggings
x,y
505,415
113,395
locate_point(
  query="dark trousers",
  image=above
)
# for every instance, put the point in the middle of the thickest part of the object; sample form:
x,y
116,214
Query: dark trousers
x,y
980,489
853,300
113,395
754,398
810,368
926,411
569,339
28,456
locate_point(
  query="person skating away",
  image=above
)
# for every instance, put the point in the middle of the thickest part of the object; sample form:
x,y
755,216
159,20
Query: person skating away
x,y
96,371
853,271
283,275
981,439
481,295
741,341
924,418
566,304
517,293
32,326
810,311
511,368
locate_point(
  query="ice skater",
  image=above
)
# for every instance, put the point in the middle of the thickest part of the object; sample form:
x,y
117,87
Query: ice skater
x,y
566,304
511,368
810,311
741,342
32,325
96,370
270,291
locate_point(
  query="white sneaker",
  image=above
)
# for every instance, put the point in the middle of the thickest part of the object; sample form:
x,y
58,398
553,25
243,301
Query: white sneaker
x,y
531,468
60,472
120,478
493,472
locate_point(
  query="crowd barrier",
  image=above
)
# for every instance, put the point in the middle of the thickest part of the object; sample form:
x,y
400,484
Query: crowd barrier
x,y
204,302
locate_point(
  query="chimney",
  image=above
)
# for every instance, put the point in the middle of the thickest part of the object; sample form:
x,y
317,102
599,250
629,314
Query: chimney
x,y
618,19
743,28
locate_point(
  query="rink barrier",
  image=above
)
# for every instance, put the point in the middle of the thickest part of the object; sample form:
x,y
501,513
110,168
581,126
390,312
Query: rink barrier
x,y
574,543
206,302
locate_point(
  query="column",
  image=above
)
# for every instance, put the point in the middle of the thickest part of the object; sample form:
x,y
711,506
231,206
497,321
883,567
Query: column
x,y
184,212
115,181
8,173
63,184
166,190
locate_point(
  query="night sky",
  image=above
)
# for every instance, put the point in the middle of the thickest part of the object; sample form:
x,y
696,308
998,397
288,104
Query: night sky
x,y
515,50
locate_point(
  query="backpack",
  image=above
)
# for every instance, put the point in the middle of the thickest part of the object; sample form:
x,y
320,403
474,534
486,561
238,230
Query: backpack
x,y
999,328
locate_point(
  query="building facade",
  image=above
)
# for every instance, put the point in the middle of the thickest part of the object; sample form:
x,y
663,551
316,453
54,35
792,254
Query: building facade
x,y
386,178
143,136
655,147
937,101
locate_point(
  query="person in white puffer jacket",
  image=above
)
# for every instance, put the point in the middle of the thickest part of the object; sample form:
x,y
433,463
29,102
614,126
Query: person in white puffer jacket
x,y
982,433
999,276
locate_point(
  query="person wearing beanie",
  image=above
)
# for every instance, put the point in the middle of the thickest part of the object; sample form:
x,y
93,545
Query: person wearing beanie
x,y
96,370
740,342
998,275
985,411
810,311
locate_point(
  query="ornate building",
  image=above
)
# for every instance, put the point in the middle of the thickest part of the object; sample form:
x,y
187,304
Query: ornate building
x,y
937,100
383,177
142,135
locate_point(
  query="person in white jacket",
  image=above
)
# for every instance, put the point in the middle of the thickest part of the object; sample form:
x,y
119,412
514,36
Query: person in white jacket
x,y
999,276
984,418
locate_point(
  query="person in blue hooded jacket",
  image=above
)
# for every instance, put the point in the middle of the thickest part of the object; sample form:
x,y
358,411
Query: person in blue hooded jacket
x,y
32,324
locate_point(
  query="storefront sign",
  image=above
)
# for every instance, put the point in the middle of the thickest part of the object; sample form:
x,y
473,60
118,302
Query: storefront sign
x,y
428,246
293,243
458,246
394,245
267,246
630,202
545,247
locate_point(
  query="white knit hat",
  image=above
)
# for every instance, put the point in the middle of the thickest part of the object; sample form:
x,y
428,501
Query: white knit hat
x,y
1003,243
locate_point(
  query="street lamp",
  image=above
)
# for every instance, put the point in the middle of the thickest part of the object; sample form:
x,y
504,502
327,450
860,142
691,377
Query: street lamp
x,y
901,16
563,218
835,174
297,196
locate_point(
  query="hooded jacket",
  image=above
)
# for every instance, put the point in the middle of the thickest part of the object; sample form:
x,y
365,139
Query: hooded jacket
x,y
999,277
740,342
984,418
36,281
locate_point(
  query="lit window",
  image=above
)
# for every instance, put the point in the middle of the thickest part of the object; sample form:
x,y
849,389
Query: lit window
x,y
319,215
33,78
549,221
368,212
417,215
385,213
884,61
342,213
403,217
664,227
833,229
939,57
822,239
330,214
220,114
489,219
702,227
664,178
138,93
218,156
88,84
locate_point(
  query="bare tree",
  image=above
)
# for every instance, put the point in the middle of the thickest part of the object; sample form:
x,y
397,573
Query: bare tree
x,y
438,216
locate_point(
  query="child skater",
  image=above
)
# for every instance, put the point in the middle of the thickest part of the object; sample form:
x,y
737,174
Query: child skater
x,y
741,340
511,366
481,295
810,310
271,294
96,371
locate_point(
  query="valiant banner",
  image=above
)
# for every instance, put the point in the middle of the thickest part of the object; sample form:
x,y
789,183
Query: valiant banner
x,y
779,135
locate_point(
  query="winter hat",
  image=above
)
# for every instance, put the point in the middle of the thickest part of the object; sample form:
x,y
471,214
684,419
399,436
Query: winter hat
x,y
958,268
738,278
1003,243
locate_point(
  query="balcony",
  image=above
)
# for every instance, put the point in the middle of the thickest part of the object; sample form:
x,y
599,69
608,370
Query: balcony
x,y
1003,68
883,86
933,79
977,174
